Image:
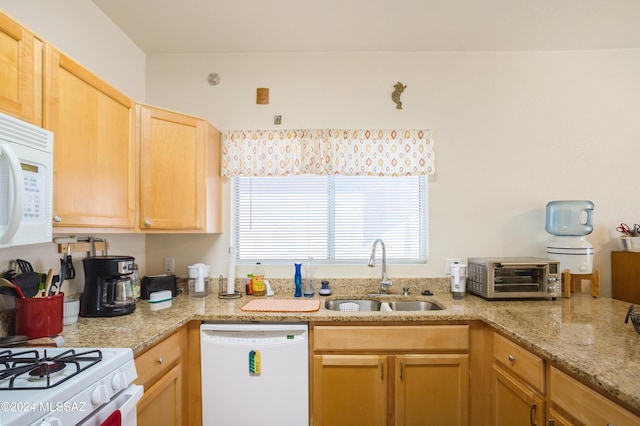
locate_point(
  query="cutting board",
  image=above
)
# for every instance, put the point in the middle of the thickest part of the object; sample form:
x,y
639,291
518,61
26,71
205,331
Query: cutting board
x,y
282,305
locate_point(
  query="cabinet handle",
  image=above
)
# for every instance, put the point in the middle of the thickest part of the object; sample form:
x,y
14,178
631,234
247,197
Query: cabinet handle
x,y
381,370
512,358
147,222
401,369
160,360
57,219
532,414
551,422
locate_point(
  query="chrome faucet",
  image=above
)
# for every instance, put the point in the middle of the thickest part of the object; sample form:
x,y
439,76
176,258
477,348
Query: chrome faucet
x,y
384,283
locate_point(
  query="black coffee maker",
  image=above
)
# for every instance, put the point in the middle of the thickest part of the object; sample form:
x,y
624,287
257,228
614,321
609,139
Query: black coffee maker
x,y
108,290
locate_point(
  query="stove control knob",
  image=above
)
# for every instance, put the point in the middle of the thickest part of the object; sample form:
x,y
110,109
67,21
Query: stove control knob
x,y
119,381
100,395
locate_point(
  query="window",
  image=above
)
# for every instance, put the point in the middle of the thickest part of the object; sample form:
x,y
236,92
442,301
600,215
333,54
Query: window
x,y
333,219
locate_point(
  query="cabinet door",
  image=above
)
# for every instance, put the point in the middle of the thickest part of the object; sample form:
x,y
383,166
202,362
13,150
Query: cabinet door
x,y
349,390
161,404
585,405
94,147
432,389
625,274
513,403
17,72
173,169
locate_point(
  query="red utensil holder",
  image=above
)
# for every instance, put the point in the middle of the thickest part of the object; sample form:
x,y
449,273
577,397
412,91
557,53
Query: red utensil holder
x,y
39,316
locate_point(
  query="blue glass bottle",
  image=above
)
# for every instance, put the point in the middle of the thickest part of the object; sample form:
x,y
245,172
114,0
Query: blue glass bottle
x,y
297,278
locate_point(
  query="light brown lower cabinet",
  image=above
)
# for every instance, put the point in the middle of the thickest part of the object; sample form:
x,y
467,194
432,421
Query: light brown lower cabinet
x,y
390,375
431,389
161,373
519,393
162,402
350,389
517,388
514,403
394,375
575,403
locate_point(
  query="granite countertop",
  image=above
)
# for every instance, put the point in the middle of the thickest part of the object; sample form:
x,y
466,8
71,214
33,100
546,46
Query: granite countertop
x,y
583,335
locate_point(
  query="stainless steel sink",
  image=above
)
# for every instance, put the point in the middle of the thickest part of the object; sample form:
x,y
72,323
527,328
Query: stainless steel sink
x,y
414,305
348,305
366,305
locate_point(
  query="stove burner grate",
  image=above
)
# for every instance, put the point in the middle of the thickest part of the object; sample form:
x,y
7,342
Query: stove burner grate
x,y
47,369
31,365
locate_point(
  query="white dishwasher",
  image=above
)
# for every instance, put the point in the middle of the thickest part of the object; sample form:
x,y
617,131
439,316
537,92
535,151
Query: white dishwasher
x,y
255,373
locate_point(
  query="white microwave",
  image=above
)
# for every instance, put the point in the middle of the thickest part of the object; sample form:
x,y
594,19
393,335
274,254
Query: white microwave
x,y
26,183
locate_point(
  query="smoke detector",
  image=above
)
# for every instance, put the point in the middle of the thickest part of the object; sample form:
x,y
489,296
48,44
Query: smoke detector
x,y
213,79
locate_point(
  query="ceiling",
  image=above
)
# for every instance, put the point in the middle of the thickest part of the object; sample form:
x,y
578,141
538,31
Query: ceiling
x,y
208,26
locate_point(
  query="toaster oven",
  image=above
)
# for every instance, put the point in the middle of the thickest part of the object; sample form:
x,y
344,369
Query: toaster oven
x,y
513,277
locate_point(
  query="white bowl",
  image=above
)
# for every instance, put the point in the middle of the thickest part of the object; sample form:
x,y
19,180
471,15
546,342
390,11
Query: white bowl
x,y
70,311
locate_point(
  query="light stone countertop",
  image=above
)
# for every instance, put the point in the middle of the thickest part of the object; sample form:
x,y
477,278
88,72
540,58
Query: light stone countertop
x,y
583,335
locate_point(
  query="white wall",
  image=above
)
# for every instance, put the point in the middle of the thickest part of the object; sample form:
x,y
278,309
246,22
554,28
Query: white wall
x,y
513,131
82,31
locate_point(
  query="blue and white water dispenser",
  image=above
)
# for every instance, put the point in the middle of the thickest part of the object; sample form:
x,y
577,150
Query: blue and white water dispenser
x,y
569,221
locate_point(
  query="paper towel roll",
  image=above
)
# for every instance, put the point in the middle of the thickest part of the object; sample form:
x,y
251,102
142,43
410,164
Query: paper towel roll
x,y
231,273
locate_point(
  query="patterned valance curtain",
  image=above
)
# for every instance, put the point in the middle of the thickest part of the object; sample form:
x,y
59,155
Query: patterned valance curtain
x,y
327,152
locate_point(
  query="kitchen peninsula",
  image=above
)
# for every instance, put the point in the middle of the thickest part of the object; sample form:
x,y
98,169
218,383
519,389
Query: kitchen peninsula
x,y
582,336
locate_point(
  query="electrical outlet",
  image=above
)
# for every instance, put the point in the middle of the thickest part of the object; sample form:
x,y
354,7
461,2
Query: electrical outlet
x,y
169,264
447,264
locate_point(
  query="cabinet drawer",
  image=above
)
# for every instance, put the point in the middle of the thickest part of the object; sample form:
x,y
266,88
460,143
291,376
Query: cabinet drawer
x,y
519,361
158,360
427,338
584,404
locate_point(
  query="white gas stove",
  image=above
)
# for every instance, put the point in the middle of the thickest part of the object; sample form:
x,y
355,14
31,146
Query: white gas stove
x,y
63,386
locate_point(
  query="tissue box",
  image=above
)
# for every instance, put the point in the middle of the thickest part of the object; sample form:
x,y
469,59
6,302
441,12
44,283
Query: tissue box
x,y
160,300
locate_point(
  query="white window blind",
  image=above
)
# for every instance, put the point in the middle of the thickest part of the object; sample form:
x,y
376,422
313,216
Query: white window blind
x,y
333,219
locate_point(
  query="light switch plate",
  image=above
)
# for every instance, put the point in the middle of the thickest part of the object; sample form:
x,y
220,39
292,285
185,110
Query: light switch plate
x,y
448,262
169,265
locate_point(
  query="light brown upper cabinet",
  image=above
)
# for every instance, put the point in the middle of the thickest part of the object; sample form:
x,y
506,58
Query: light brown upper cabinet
x,y
94,159
20,72
180,184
